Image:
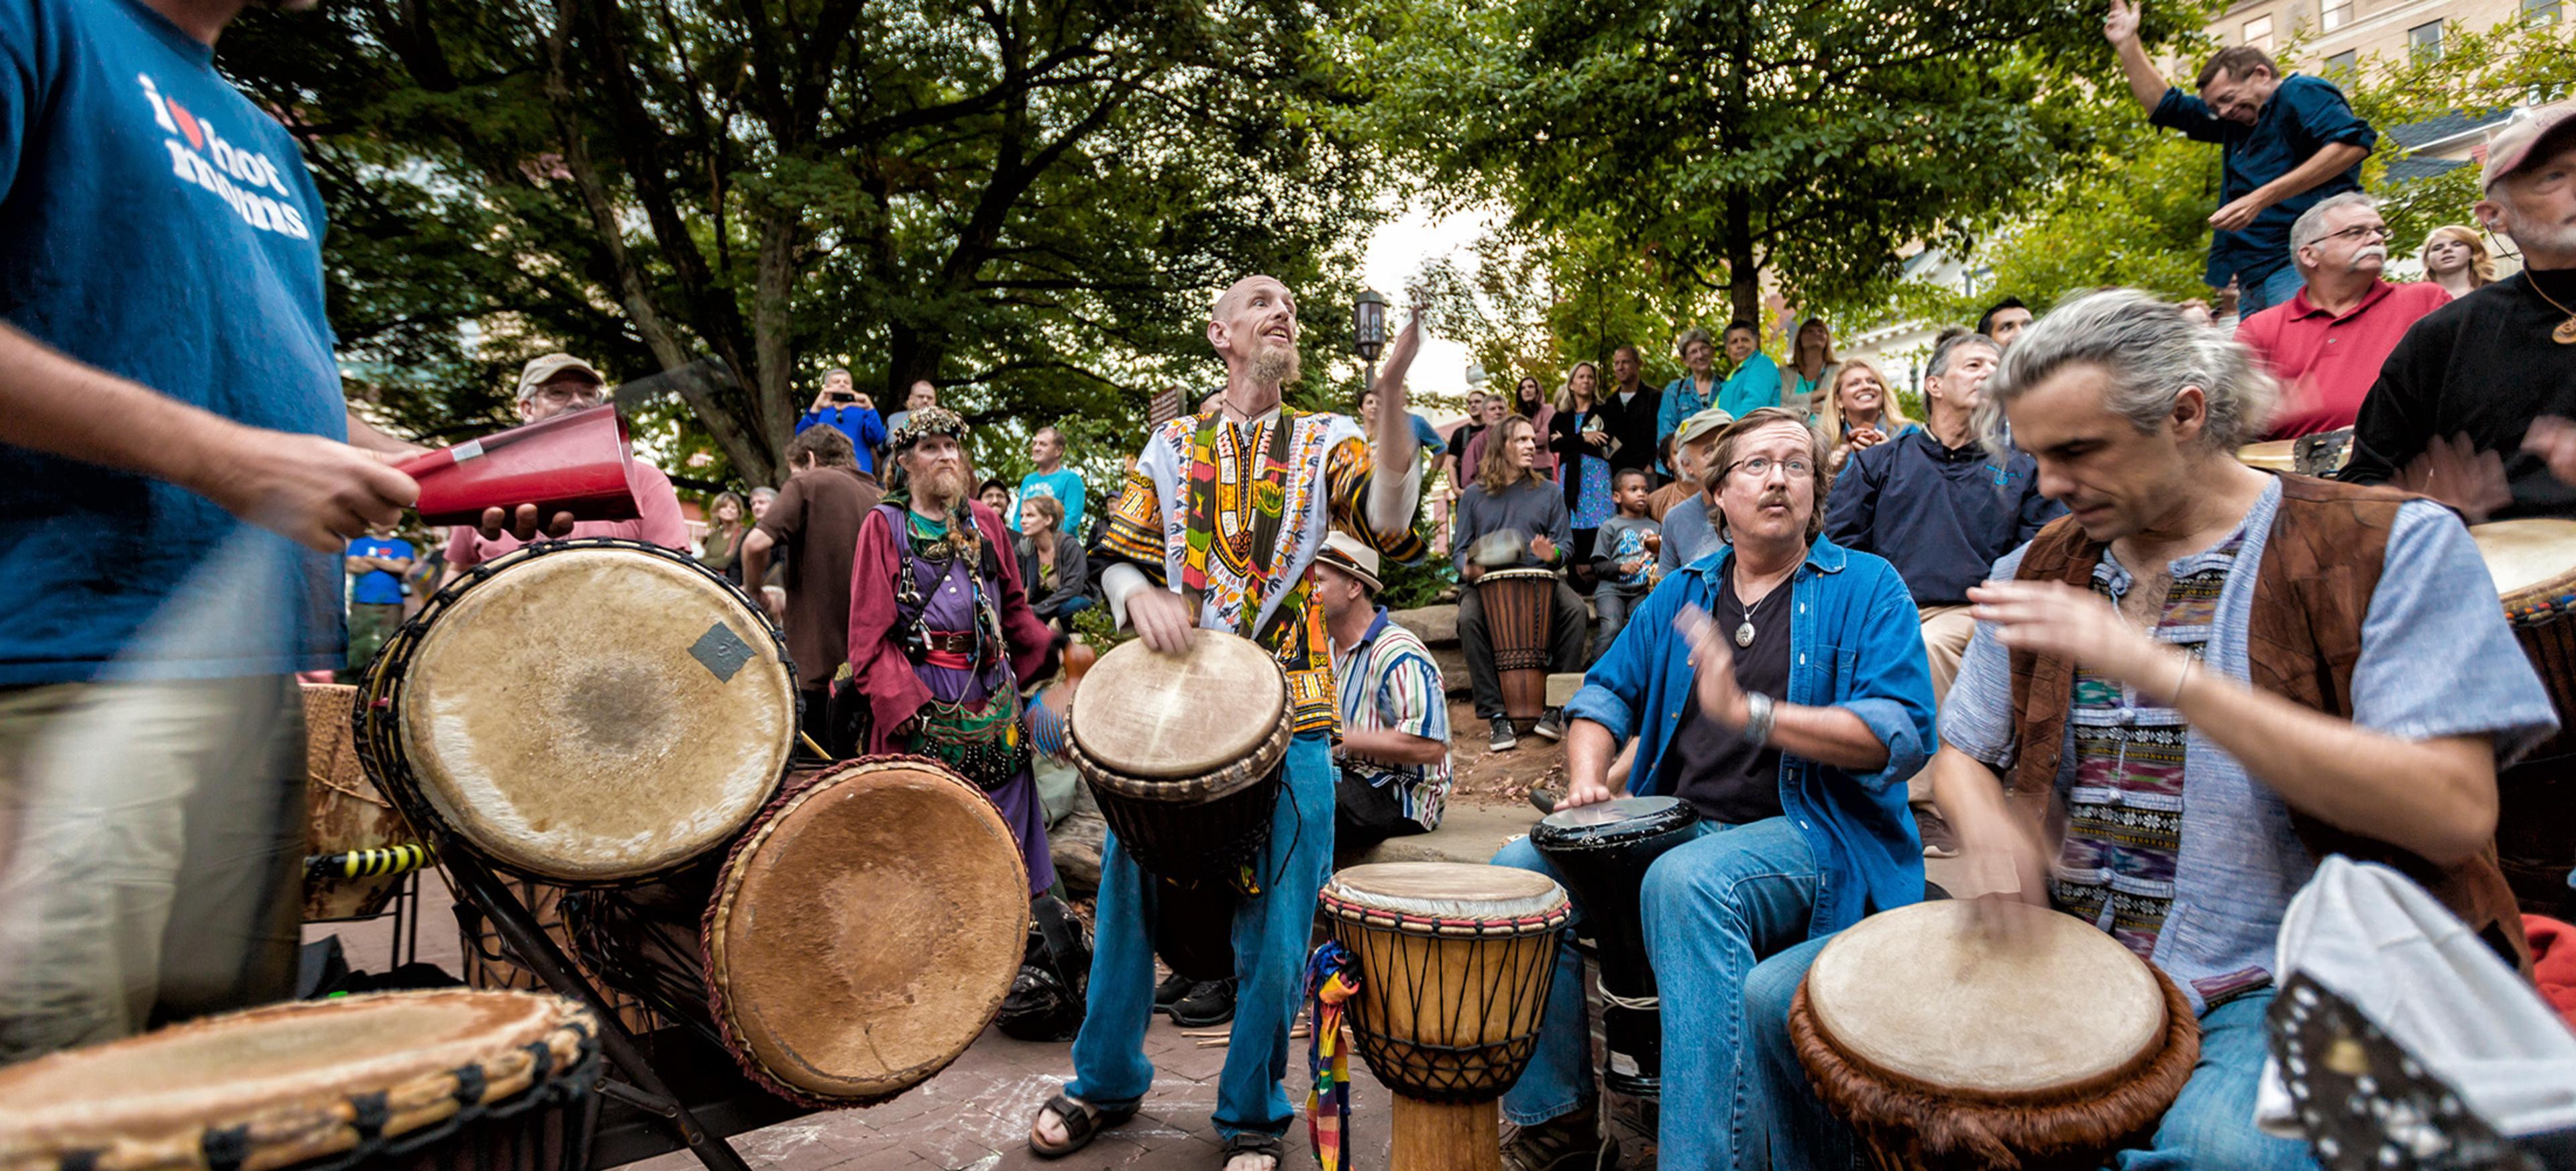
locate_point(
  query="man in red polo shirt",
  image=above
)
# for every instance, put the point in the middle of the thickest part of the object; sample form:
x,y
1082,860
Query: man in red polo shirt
x,y
2327,342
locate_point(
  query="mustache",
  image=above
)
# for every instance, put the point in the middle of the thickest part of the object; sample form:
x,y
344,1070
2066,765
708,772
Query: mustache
x,y
2368,250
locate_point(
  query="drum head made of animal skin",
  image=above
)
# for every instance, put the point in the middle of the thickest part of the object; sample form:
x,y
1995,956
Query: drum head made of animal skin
x,y
594,714
868,929
1144,714
171,1086
2527,557
1448,890
1929,993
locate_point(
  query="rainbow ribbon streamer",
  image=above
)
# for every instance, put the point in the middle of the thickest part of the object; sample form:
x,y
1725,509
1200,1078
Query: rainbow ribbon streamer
x,y
1332,976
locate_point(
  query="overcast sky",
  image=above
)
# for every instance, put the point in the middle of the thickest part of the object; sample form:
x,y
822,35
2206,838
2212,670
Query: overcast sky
x,y
1394,254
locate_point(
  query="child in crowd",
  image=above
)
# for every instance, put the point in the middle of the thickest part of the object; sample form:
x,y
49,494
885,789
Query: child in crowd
x,y
1622,553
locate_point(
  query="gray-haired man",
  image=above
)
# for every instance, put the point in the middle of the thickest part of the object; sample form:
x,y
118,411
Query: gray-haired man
x,y
2328,341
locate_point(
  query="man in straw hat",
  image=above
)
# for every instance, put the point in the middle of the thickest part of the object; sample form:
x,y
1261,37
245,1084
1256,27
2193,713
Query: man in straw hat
x,y
1394,751
1219,526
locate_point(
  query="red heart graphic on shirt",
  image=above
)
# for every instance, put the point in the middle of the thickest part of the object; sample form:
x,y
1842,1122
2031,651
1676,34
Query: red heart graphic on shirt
x,y
187,124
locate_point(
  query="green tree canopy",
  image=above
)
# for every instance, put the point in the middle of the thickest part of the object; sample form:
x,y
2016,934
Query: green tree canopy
x,y
1028,202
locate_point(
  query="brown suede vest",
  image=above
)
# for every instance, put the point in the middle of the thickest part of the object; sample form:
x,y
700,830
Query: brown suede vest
x,y
2320,565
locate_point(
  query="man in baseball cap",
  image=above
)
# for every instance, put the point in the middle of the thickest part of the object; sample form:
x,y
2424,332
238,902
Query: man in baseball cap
x,y
550,385
2466,407
1393,761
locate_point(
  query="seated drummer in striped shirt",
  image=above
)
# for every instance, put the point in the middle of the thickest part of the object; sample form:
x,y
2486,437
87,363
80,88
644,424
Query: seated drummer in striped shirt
x,y
1392,762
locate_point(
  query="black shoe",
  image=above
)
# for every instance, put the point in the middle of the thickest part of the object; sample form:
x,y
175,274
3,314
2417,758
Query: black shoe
x,y
1561,1143
1170,991
1551,724
1503,740
1210,1002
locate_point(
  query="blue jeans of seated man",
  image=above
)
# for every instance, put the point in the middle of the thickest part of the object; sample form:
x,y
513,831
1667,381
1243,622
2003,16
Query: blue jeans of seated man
x,y
2210,1126
1712,907
1110,1069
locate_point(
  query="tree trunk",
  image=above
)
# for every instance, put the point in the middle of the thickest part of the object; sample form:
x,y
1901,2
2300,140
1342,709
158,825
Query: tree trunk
x,y
1743,278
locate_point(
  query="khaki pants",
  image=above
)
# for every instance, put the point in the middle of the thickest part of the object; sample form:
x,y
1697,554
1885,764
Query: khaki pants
x,y
1946,630
151,844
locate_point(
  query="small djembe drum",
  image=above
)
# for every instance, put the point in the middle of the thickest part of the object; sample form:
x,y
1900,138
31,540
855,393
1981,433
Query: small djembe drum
x,y
855,940
1520,623
1455,961
420,1081
1948,1041
1603,851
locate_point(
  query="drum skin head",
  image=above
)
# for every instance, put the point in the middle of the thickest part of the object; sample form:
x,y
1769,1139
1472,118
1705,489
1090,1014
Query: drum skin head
x,y
1929,994
2528,558
1619,819
1172,716
1448,889
594,714
868,929
227,1070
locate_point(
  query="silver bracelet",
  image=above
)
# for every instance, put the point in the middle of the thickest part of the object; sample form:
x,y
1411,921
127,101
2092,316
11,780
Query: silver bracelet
x,y
1758,715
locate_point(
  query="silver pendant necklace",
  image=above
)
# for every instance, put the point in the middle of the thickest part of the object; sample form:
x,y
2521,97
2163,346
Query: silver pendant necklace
x,y
1744,631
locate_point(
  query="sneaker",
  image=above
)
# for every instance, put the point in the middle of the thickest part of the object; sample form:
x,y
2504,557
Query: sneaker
x,y
1170,991
1502,740
1551,724
1562,1143
1209,1002
1939,840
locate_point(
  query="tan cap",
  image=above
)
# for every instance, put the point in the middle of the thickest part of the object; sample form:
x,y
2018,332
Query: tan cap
x,y
1349,554
2524,139
1700,426
542,370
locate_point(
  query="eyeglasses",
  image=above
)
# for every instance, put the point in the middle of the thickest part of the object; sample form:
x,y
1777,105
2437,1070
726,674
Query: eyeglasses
x,y
2359,232
567,392
1761,465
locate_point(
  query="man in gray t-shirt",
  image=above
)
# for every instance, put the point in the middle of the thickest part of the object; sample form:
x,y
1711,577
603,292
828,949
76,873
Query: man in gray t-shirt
x,y
1514,520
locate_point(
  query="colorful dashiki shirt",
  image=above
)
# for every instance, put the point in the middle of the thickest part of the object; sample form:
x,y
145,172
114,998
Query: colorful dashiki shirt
x,y
2125,804
1322,483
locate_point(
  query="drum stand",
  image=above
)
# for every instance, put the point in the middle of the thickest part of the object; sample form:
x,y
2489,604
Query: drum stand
x,y
648,1090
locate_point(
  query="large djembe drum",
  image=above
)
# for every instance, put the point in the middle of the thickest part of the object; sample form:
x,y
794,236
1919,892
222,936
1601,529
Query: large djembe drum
x,y
856,939
1455,962
1185,752
492,1081
1950,1041
2533,562
1603,851
1520,622
582,712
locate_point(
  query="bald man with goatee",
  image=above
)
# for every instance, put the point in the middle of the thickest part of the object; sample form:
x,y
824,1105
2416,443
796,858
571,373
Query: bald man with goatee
x,y
1338,477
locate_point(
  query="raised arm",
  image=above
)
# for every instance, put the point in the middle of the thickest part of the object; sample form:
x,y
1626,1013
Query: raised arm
x,y
2146,82
1397,486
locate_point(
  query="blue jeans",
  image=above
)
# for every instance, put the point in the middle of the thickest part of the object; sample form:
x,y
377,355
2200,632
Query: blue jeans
x,y
2255,296
1712,907
1271,929
1614,604
2210,1125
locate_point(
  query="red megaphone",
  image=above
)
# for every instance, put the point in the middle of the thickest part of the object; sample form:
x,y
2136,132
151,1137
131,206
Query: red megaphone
x,y
575,462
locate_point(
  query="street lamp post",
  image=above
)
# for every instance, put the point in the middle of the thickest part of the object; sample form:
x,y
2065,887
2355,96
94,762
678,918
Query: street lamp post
x,y
1368,334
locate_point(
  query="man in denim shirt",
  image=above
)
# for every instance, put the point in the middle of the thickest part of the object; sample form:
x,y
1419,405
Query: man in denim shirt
x,y
2285,141
1789,710
2156,709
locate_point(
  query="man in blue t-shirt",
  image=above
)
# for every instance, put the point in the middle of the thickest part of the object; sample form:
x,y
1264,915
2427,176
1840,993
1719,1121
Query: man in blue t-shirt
x,y
376,564
172,429
2285,142
1053,479
844,409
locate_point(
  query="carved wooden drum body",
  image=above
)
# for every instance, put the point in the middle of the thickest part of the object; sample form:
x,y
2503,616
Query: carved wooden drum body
x,y
1520,622
1185,752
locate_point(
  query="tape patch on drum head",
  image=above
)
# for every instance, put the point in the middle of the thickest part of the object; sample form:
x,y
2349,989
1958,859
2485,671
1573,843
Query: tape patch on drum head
x,y
721,651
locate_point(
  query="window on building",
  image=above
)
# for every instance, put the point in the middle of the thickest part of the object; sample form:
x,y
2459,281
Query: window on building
x,y
2424,42
2337,13
2538,12
2258,33
2343,64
